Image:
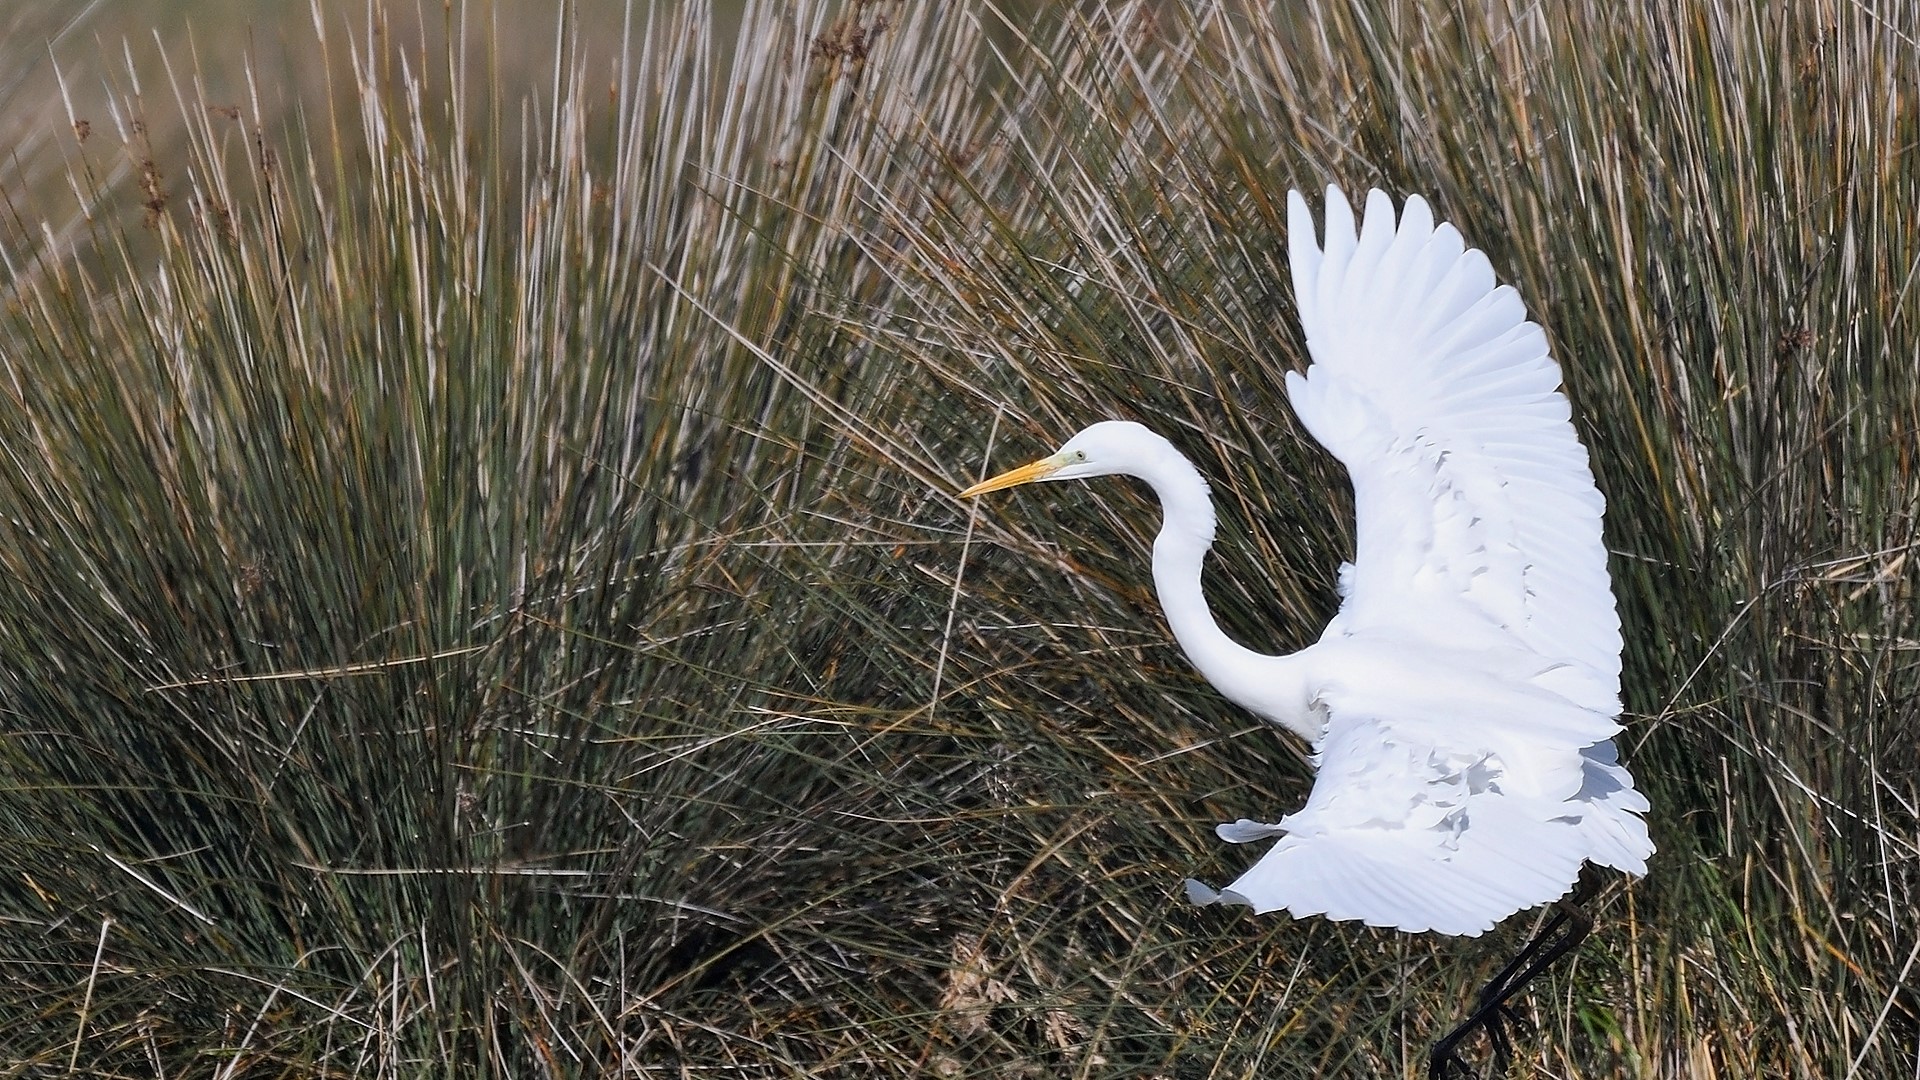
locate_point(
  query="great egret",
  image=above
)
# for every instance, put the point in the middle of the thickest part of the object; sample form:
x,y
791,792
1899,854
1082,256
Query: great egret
x,y
1462,703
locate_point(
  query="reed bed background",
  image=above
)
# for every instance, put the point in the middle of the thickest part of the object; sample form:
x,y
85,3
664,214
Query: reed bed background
x,y
481,593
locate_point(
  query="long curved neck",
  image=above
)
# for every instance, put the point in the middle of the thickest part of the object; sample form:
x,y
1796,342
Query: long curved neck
x,y
1186,534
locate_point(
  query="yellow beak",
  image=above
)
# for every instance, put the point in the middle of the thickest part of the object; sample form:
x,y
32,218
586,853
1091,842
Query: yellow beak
x,y
1025,474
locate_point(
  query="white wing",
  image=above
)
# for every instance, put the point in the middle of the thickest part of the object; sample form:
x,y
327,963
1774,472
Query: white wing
x,y
1476,513
1470,681
1448,796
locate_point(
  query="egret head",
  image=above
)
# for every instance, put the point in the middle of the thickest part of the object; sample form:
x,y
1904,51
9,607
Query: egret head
x,y
1110,446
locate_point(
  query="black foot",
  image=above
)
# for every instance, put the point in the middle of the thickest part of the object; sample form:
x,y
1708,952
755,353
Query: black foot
x,y
1492,1015
1495,1020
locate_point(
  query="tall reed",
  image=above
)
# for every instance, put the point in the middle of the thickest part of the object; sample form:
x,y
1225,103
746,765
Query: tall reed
x,y
482,592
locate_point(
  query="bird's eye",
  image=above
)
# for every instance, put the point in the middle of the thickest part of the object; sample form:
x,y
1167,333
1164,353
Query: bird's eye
x,y
1079,455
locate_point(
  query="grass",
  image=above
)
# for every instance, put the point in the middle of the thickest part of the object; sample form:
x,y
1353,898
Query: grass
x,y
482,593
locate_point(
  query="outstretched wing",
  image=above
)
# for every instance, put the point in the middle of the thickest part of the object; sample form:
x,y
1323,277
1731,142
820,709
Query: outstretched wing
x,y
1477,519
1470,681
1445,801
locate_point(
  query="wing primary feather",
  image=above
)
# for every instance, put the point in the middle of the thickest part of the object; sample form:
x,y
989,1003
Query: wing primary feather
x,y
1362,275
1303,255
1336,249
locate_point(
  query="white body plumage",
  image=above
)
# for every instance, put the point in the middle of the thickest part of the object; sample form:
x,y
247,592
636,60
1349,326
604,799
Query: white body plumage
x,y
1463,701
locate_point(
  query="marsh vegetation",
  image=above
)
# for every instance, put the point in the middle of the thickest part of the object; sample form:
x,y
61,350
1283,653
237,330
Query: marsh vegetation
x,y
481,592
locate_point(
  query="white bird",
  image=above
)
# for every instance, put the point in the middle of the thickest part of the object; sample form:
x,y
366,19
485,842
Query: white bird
x,y
1462,703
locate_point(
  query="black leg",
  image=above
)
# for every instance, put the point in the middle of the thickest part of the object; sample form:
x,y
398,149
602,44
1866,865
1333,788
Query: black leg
x,y
1562,934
